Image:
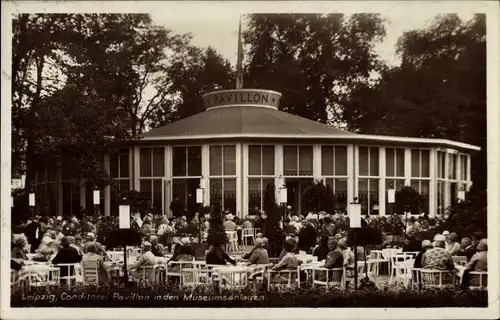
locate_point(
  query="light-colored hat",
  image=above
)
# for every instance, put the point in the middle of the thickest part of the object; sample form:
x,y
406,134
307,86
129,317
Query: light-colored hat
x,y
229,216
295,219
185,241
259,235
19,240
439,237
59,218
445,233
146,244
426,243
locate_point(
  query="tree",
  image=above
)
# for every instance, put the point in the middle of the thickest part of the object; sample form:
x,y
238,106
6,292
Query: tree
x,y
438,91
216,233
198,72
408,199
313,59
318,198
106,71
274,233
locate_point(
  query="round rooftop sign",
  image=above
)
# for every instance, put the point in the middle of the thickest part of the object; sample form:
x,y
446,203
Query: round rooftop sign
x,y
242,97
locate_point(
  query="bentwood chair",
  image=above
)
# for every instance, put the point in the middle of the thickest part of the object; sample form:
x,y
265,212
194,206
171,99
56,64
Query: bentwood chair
x,y
328,277
478,280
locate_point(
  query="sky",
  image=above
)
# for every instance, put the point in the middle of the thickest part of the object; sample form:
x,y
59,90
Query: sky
x,y
222,32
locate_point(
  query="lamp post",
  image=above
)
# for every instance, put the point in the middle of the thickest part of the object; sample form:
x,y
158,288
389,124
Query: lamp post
x,y
461,194
283,199
407,208
97,201
31,202
355,223
124,223
200,191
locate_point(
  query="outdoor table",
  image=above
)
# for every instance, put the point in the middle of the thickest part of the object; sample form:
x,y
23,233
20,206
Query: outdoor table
x,y
37,269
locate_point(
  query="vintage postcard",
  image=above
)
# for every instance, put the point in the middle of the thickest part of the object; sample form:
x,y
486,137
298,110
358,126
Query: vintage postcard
x,y
295,160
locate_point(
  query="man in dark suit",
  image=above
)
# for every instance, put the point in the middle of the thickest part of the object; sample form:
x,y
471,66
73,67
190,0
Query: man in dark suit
x,y
466,248
67,254
33,234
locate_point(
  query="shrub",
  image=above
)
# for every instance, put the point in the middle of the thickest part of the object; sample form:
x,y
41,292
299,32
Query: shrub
x,y
140,296
216,233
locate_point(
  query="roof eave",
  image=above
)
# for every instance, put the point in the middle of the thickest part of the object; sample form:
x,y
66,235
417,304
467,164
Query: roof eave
x,y
411,140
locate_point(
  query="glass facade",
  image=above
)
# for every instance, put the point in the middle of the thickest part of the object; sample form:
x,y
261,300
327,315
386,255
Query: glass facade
x,y
239,184
261,169
298,161
151,174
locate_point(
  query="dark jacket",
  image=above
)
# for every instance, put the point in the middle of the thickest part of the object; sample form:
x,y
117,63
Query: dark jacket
x,y
218,256
67,255
418,260
248,255
469,252
182,250
321,252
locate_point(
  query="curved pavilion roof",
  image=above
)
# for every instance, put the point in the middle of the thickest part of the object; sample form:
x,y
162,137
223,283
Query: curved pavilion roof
x,y
244,120
238,114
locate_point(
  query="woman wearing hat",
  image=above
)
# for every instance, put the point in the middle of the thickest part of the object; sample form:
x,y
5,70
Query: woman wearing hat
x,y
18,251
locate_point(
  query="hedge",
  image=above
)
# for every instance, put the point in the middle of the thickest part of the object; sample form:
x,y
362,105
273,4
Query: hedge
x,y
205,297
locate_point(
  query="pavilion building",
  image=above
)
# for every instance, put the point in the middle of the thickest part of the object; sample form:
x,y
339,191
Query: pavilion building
x,y
242,143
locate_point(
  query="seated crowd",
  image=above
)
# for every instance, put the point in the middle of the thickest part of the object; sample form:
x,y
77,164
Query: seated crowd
x,y
69,240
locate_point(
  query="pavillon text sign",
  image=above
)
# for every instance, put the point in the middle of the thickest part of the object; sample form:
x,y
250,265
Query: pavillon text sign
x,y
242,97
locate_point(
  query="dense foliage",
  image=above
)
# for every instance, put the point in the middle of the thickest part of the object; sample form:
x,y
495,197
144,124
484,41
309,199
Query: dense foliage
x,y
274,233
216,233
204,297
438,91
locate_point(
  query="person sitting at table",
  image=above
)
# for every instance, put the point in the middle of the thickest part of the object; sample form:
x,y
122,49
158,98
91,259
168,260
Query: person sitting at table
x,y
156,248
183,252
322,250
476,237
452,246
259,254
67,254
289,260
466,248
265,243
72,244
147,258
43,254
91,254
229,224
18,251
79,242
247,224
328,228
217,256
478,262
438,258
426,245
90,237
147,227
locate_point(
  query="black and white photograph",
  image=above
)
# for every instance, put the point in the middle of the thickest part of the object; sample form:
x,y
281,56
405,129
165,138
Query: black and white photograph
x,y
242,156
